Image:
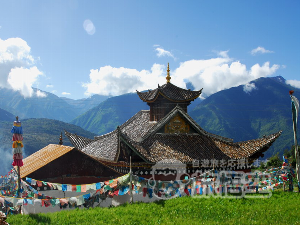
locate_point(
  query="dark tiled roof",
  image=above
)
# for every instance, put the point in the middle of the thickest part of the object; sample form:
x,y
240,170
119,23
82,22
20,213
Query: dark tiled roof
x,y
182,147
106,146
138,125
189,147
141,134
171,92
77,141
247,149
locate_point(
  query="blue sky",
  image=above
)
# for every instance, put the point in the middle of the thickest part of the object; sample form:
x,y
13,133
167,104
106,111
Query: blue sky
x,y
79,48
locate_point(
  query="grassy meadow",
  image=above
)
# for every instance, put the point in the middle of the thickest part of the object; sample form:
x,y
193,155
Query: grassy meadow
x,y
281,208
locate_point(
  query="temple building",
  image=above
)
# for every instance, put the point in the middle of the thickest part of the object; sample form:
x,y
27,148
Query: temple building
x,y
66,165
167,132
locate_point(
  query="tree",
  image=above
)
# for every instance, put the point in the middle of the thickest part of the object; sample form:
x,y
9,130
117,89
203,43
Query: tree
x,y
290,155
274,161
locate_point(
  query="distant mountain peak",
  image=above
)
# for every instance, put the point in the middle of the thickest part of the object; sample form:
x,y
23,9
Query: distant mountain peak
x,y
6,116
279,79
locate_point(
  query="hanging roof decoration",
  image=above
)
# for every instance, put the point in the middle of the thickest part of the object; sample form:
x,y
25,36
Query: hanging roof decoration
x,y
17,145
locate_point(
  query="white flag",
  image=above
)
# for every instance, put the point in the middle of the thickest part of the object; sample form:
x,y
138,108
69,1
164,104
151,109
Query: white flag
x,y
295,109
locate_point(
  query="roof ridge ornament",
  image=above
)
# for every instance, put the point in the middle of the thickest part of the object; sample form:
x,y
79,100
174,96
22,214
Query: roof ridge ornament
x,y
168,77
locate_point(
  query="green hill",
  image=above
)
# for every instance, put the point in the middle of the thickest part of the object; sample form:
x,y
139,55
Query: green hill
x,y
111,113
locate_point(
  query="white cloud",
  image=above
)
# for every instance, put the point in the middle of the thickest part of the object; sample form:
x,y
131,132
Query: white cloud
x,y
21,79
162,52
17,70
89,27
115,81
66,93
49,86
212,75
40,94
261,50
294,83
249,87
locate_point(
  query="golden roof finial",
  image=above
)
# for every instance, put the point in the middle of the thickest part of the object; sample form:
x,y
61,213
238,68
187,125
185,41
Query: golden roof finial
x,y
168,77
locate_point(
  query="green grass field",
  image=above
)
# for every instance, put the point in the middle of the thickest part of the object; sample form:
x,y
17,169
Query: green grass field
x,y
281,208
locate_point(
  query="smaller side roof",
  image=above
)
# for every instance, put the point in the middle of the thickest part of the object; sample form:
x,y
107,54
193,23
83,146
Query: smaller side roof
x,y
247,149
78,141
42,157
106,146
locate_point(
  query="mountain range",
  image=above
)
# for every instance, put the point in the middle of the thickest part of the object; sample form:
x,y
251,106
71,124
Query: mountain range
x,y
47,105
242,113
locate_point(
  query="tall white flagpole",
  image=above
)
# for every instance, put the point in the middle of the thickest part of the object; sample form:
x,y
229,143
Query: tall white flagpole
x,y
295,110
131,200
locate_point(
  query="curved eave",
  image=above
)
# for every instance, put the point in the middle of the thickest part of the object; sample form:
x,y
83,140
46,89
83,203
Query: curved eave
x,y
265,147
140,94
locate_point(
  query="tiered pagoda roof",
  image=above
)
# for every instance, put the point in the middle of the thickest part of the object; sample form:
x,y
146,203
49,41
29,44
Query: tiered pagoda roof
x,y
170,92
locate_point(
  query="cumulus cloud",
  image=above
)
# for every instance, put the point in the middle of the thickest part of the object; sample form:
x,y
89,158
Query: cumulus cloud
x,y
213,75
17,70
261,50
160,52
65,93
294,83
115,81
21,79
89,27
249,87
217,74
